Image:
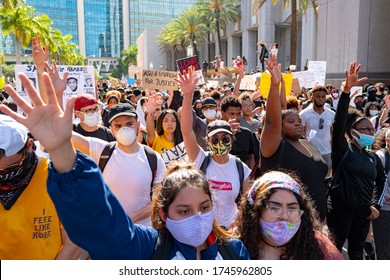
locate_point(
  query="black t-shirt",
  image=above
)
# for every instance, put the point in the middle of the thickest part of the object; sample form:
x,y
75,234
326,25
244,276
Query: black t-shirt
x,y
311,170
102,133
243,144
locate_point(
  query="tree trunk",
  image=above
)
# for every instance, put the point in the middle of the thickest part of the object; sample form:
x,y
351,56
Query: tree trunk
x,y
208,47
218,33
17,50
294,33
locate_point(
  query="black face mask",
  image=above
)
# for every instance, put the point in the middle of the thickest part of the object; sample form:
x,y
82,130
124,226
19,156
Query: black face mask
x,y
13,176
371,96
359,104
198,112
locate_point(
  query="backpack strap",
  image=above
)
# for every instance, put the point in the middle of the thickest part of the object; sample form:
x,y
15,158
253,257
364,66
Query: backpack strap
x,y
152,160
106,154
240,169
163,245
226,251
205,163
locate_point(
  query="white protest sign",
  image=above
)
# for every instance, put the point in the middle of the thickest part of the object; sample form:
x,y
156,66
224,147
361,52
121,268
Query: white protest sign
x,y
248,82
212,84
319,70
81,79
177,153
305,78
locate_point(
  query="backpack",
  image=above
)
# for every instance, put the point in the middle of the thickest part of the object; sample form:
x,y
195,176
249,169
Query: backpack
x,y
164,245
239,165
150,155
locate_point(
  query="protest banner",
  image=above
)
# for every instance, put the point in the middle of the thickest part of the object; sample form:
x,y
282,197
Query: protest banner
x,y
81,79
305,78
185,63
319,70
157,79
177,153
265,83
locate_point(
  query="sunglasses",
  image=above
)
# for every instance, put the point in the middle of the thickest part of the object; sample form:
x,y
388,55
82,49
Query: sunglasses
x,y
16,164
321,125
226,140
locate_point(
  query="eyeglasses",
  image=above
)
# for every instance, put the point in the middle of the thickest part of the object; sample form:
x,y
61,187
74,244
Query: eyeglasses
x,y
368,130
275,211
226,140
89,112
321,125
16,164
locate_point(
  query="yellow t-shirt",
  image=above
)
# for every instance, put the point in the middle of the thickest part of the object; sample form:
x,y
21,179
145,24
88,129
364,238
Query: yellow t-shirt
x,y
161,144
31,228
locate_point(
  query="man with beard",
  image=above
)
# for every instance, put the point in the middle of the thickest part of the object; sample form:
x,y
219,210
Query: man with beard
x,y
317,121
30,227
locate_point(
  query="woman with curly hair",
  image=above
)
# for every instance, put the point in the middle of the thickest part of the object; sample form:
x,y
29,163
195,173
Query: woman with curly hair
x,y
277,220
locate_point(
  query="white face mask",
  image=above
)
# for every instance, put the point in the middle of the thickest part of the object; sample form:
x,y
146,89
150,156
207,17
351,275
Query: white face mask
x,y
126,136
192,231
160,102
210,114
374,112
92,120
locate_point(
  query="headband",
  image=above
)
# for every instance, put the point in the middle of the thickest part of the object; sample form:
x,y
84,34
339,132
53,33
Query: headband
x,y
273,180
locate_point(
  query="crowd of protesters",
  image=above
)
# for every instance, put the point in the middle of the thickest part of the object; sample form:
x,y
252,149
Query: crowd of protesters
x,y
210,173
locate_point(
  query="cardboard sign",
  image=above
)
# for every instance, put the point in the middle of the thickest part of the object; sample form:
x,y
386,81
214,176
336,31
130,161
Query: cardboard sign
x,y
319,70
306,78
185,63
81,79
248,82
177,153
296,88
156,79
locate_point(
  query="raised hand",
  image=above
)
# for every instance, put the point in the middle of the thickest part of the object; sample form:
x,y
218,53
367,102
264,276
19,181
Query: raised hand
x,y
274,68
39,55
58,82
151,102
352,77
46,122
187,81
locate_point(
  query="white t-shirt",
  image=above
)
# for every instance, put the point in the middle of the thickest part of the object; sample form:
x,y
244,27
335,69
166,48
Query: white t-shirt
x,y
128,176
322,138
225,184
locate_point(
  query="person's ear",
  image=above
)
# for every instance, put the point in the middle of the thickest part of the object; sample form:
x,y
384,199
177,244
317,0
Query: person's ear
x,y
163,216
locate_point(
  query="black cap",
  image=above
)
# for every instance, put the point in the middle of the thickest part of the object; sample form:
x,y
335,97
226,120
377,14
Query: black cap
x,y
122,109
218,126
209,101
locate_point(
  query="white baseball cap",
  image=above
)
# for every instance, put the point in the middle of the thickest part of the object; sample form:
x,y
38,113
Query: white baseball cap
x,y
13,135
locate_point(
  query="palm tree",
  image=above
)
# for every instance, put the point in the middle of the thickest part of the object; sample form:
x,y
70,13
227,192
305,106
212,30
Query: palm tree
x,y
129,56
62,50
186,30
297,6
218,13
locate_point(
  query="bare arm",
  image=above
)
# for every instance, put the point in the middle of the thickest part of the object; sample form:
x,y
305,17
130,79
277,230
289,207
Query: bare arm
x,y
272,130
236,90
69,251
80,142
385,112
141,214
151,105
187,82
283,101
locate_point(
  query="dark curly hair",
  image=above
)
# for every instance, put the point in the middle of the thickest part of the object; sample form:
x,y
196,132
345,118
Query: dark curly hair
x,y
303,246
380,142
354,117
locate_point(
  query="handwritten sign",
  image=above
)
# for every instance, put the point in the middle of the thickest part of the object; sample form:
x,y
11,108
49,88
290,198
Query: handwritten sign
x,y
319,70
177,153
306,78
81,79
157,79
185,63
248,82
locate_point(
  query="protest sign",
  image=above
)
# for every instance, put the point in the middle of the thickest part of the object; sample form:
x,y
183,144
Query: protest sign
x,y
248,82
319,70
185,63
81,79
157,79
305,78
212,84
265,83
2,82
177,153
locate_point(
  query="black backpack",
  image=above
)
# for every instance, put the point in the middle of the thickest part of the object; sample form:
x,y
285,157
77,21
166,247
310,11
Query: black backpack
x,y
150,155
164,245
239,165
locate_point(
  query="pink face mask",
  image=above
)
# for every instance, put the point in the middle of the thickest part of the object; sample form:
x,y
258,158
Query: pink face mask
x,y
279,232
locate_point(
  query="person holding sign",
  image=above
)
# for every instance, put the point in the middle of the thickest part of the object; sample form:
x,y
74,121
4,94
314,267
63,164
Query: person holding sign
x,y
221,168
166,134
93,216
281,144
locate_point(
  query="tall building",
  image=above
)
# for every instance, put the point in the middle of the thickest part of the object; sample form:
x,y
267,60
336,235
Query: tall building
x,y
103,28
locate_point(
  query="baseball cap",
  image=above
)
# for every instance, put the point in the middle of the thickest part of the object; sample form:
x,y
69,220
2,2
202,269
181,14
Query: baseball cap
x,y
218,126
209,101
84,100
13,135
122,109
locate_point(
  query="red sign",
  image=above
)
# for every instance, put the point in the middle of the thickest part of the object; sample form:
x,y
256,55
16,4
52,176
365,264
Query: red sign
x,y
185,63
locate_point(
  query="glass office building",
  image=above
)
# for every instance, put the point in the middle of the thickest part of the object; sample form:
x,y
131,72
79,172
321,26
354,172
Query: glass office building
x,y
98,26
151,13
